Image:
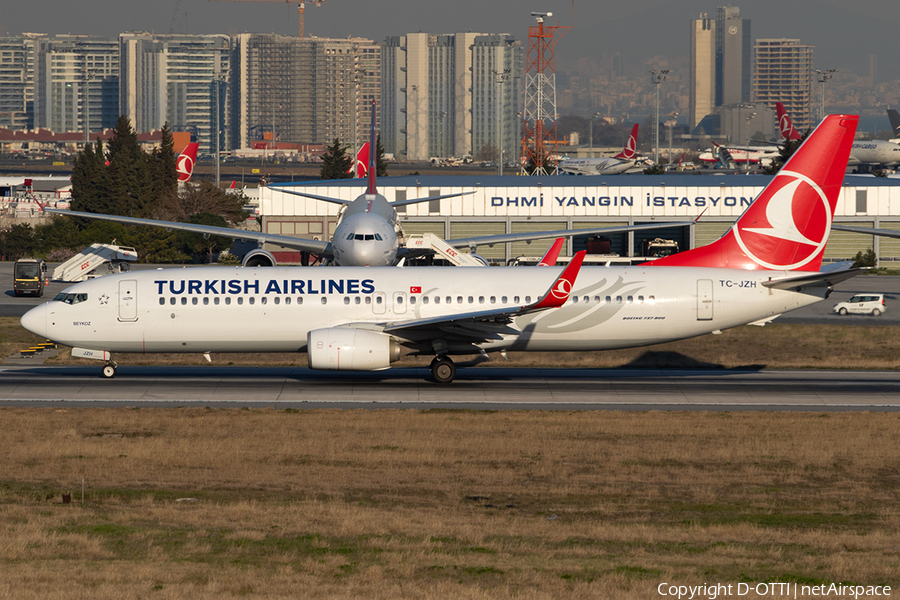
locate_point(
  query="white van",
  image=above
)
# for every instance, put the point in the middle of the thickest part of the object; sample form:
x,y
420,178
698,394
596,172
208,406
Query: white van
x,y
861,304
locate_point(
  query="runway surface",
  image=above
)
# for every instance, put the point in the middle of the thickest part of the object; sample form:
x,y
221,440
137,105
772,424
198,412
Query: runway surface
x,y
475,388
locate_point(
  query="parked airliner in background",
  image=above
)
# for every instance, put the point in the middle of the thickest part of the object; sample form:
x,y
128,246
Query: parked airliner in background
x,y
609,165
354,318
785,125
894,118
368,232
184,164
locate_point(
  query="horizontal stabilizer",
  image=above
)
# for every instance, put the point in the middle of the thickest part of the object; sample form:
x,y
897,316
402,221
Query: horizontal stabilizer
x,y
829,277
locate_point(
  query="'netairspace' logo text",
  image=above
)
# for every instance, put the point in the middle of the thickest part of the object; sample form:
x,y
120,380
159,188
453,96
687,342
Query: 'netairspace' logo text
x,y
775,590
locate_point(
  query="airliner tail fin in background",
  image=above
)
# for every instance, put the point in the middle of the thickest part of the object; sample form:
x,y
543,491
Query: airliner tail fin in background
x,y
787,226
785,125
894,116
630,146
184,164
362,162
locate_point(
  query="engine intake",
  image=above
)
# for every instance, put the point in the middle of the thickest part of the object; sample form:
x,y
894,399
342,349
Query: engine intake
x,y
259,258
348,349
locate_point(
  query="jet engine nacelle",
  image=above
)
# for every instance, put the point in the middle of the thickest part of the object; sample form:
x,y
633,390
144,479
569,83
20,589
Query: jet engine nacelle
x,y
349,349
259,258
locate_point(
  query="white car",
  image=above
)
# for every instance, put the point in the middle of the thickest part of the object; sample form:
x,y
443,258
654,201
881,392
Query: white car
x,y
861,304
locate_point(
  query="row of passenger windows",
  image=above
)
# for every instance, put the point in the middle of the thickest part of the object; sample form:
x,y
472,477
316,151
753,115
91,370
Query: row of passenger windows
x,y
216,300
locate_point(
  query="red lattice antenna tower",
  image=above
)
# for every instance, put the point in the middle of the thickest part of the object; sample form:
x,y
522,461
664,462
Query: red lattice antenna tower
x,y
539,130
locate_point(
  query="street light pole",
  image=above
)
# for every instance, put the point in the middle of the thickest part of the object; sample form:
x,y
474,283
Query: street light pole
x,y
823,77
657,78
591,133
500,78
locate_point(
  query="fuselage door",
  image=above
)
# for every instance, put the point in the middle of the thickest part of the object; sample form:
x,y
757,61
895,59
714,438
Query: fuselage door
x,y
128,300
379,303
704,299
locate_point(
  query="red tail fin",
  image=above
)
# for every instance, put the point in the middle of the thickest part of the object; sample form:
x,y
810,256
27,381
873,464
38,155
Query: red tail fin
x,y
362,161
784,123
787,226
630,146
184,164
549,259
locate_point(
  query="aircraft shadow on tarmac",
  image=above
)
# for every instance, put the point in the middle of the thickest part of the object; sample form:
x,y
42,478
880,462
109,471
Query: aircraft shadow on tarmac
x,y
674,363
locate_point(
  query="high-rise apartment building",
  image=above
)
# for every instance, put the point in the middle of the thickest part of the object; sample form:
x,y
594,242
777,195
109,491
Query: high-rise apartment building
x,y
733,56
17,82
176,79
702,69
76,83
306,90
784,74
450,95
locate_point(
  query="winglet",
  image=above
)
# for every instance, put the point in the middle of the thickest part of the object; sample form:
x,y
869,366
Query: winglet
x,y
559,292
371,188
549,259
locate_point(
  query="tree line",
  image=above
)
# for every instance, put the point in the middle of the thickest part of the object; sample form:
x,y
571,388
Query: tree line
x,y
120,178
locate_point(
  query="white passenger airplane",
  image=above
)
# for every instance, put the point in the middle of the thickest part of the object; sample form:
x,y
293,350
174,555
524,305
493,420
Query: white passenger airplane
x,y
353,318
368,232
608,165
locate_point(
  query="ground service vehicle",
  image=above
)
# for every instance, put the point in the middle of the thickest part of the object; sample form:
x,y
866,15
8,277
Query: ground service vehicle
x,y
861,304
28,276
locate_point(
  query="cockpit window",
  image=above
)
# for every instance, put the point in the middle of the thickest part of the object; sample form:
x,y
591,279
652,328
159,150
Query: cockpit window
x,y
378,236
70,298
350,237
366,237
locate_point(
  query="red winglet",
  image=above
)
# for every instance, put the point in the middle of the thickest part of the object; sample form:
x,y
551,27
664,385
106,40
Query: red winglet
x,y
549,259
559,292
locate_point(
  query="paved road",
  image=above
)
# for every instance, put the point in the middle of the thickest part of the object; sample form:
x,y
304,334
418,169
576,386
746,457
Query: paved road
x,y
820,313
475,388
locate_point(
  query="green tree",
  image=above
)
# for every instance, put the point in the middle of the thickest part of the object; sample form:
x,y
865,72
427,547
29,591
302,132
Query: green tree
x,y
89,180
130,178
787,149
162,167
336,163
206,245
381,169
17,241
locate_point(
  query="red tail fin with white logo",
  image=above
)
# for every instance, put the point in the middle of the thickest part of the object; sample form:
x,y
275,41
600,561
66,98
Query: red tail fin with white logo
x,y
787,226
362,162
630,146
784,123
184,164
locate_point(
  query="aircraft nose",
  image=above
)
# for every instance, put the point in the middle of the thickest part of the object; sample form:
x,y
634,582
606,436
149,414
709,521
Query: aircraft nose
x,y
35,320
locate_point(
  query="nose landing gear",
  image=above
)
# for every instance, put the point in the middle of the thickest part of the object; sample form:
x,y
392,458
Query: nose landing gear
x,y
442,369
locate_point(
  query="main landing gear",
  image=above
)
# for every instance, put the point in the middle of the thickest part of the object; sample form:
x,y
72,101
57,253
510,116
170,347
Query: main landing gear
x,y
442,369
109,369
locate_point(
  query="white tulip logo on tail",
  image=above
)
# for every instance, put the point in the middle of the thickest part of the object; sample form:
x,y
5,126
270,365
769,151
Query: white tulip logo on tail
x,y
788,229
562,289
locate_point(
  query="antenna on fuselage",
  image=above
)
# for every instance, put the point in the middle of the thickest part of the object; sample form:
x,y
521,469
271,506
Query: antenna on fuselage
x,y
372,150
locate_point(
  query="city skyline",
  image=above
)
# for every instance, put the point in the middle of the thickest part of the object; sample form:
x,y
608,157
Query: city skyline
x,y
844,37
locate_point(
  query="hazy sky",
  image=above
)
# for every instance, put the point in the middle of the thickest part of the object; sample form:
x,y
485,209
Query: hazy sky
x,y
844,32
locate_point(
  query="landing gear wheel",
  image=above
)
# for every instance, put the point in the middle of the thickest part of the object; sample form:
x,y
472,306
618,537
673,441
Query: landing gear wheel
x,y
109,370
842,312
443,370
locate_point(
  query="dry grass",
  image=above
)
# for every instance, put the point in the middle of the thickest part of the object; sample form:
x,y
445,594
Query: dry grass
x,y
441,504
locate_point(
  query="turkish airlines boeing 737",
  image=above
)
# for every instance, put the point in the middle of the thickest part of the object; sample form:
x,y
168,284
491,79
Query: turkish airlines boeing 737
x,y
358,318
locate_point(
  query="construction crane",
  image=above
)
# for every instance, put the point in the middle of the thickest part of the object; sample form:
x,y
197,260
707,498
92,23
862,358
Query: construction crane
x,y
300,5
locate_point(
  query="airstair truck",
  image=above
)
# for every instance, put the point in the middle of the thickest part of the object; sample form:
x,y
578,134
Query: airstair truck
x,y
95,261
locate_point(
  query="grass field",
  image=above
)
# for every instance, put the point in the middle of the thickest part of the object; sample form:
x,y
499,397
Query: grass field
x,y
207,503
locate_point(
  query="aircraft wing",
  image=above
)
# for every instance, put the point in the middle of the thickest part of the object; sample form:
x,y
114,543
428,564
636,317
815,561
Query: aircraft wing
x,y
315,246
829,276
868,230
488,324
504,238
